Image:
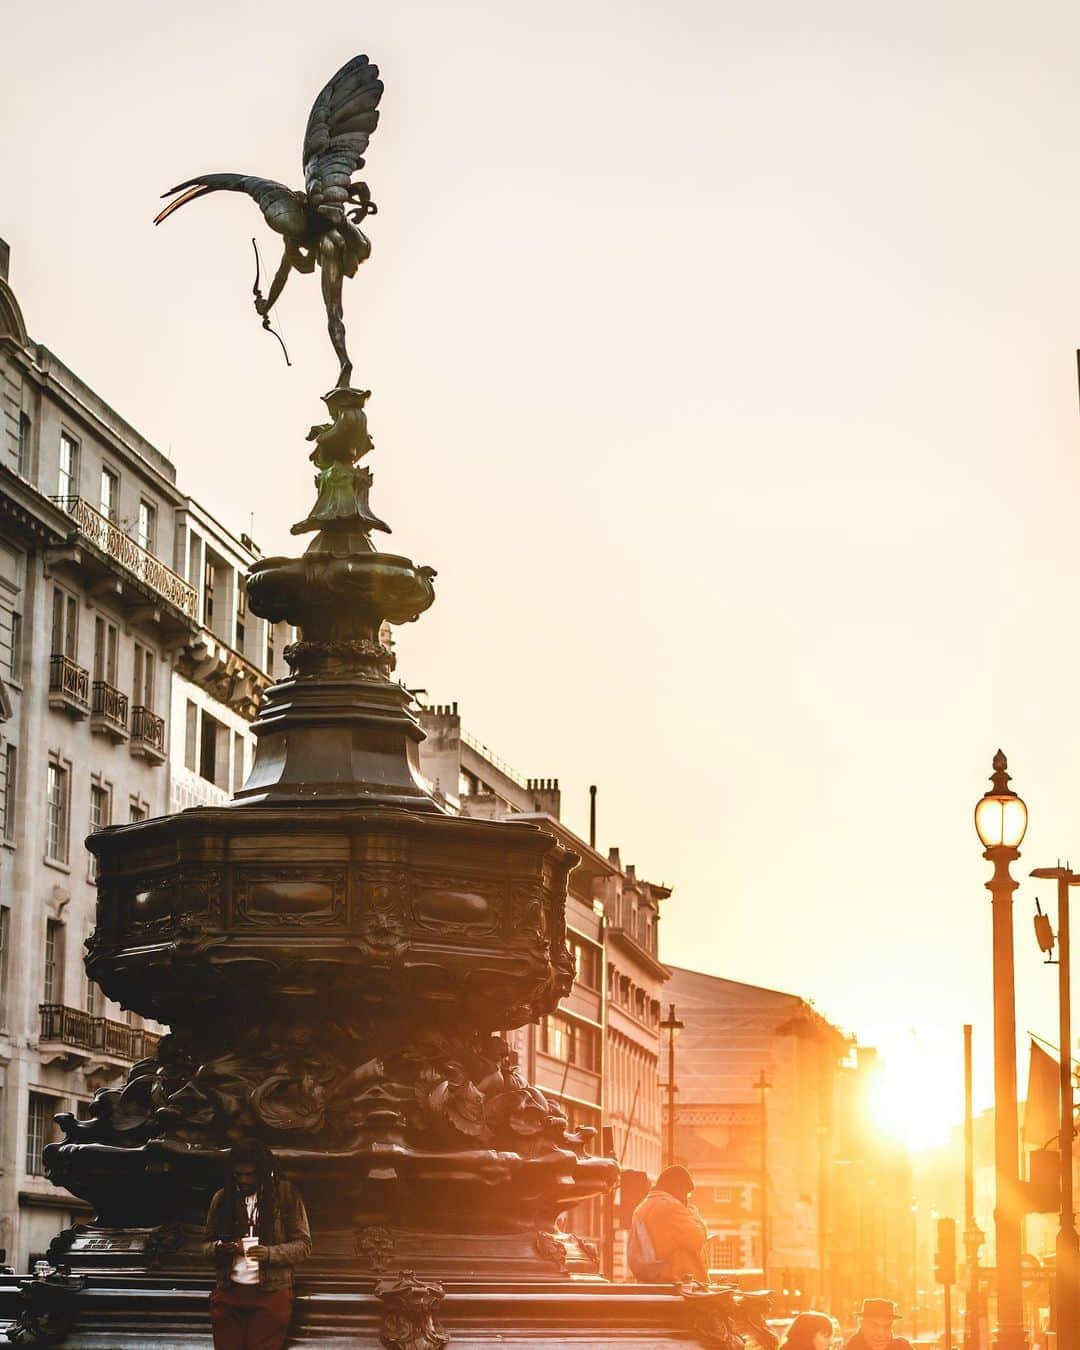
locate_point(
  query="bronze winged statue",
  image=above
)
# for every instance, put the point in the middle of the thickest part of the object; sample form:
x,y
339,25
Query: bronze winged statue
x,y
320,224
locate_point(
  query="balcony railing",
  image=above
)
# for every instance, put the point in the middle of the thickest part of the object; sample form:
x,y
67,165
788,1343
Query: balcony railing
x,y
108,709
111,540
101,1035
69,685
147,733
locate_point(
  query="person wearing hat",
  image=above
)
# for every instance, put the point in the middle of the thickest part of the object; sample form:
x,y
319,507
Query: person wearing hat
x,y
876,1321
667,1236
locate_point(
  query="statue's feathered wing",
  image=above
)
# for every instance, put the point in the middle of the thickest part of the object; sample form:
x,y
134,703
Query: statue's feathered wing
x,y
338,130
282,207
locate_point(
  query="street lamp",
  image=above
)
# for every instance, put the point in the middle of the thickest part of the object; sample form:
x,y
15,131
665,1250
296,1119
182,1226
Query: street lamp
x,y
1001,821
672,1026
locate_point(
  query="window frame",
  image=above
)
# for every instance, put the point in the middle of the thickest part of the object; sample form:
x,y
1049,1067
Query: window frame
x,y
62,808
111,512
72,475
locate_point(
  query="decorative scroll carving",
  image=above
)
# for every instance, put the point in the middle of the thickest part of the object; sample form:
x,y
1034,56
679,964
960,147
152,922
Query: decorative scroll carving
x,y
48,1312
408,1320
297,899
374,1246
551,1249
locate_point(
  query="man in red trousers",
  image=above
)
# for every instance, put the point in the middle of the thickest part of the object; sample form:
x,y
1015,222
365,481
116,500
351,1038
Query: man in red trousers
x,y
256,1232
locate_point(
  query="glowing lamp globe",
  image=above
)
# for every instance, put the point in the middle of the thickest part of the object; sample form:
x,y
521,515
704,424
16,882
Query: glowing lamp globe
x,y
1000,816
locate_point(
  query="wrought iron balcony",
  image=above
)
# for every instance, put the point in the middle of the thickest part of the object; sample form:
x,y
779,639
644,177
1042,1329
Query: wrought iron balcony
x,y
107,536
147,734
89,1036
109,711
69,686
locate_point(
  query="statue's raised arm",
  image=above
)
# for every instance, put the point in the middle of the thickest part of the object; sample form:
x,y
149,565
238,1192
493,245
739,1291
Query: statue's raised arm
x,y
321,224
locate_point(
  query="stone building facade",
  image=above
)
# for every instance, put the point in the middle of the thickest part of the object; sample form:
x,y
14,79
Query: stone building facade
x,y
598,1055
121,607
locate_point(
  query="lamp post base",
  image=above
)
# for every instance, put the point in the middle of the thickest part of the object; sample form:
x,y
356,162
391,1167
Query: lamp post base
x,y
1010,1338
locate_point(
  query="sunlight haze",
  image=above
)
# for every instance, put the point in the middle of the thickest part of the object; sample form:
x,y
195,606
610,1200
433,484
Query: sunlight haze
x,y
723,360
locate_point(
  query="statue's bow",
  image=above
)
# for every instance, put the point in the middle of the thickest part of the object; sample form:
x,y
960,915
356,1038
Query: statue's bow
x,y
260,303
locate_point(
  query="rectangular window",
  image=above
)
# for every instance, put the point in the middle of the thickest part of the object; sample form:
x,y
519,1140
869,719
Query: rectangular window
x,y
15,660
91,998
106,645
65,624
213,751
191,736
238,762
137,812
142,690
24,445
52,981
5,938
570,1041
11,789
100,816
110,494
147,526
40,1130
208,594
56,813
241,612
68,480
269,649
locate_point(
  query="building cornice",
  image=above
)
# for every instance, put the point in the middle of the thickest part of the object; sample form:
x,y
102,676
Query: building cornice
x,y
626,940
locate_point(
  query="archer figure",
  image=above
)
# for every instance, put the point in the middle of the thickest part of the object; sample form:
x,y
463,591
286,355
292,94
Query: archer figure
x,y
318,224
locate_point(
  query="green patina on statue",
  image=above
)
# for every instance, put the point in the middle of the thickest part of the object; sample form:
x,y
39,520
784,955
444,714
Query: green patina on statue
x,y
341,507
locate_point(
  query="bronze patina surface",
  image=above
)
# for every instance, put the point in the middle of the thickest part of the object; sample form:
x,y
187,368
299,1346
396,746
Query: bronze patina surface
x,y
338,960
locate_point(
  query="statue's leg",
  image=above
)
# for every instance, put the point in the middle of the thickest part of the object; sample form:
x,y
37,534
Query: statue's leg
x,y
330,257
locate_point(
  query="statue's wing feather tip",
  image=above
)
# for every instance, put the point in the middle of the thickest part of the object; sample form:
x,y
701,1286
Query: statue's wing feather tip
x,y
341,122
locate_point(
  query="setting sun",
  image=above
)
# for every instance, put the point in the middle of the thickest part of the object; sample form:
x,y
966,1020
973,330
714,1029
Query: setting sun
x,y
916,1098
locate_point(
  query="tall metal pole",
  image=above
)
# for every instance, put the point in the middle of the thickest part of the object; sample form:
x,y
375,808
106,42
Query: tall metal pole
x,y
672,1026
973,1236
1010,1333
671,1094
1068,1334
1067,1259
763,1086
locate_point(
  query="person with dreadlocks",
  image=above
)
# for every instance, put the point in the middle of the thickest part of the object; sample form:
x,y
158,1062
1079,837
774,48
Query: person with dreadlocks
x,y
256,1232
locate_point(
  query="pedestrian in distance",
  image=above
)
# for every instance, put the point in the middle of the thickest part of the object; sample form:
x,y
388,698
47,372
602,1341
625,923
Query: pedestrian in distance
x,y
667,1235
809,1331
876,1322
256,1233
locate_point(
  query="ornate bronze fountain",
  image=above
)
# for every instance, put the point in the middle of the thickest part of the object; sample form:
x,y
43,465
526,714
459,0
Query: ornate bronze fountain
x,y
337,960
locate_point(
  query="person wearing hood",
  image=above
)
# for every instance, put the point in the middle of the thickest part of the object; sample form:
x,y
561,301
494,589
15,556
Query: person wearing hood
x,y
667,1235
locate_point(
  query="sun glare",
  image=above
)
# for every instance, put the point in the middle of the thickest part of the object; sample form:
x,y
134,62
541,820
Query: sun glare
x,y
915,1099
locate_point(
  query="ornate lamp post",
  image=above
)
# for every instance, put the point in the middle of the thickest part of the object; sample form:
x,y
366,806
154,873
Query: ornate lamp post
x,y
672,1026
1001,821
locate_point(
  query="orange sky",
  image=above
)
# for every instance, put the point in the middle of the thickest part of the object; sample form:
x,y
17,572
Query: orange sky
x,y
723,366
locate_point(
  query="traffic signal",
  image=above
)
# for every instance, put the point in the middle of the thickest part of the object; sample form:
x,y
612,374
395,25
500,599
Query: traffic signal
x,y
945,1256
1042,1194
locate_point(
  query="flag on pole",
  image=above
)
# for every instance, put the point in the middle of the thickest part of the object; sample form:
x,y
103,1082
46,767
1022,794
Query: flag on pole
x,y
1042,1111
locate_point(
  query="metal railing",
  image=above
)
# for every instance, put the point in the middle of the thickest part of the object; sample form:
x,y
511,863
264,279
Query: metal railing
x,y
148,728
111,539
507,770
75,1027
69,679
109,704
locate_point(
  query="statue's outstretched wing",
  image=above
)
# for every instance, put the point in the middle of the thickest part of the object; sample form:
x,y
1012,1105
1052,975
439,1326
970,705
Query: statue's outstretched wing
x,y
338,130
283,208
